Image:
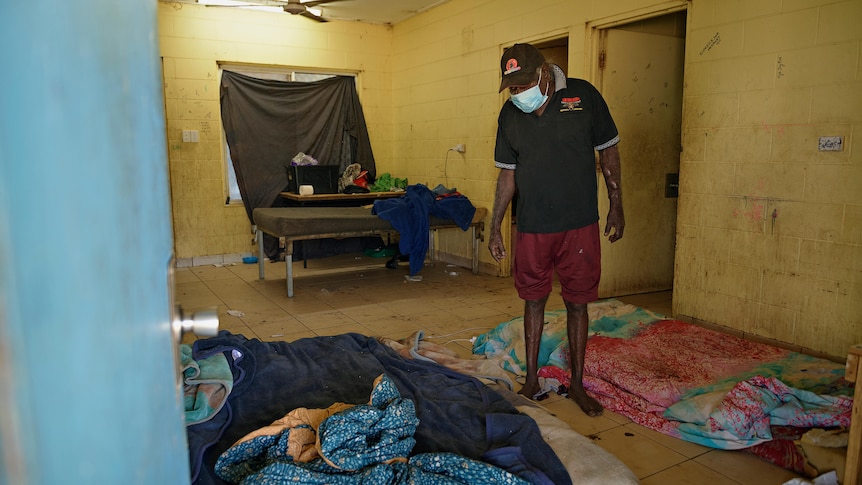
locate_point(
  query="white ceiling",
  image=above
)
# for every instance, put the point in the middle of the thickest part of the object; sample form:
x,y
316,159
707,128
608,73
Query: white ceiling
x,y
376,11
369,11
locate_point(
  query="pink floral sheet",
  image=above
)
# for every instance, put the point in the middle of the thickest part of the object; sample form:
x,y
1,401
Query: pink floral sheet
x,y
686,381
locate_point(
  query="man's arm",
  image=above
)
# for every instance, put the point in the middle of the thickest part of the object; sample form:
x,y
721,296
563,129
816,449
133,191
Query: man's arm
x,y
502,198
609,160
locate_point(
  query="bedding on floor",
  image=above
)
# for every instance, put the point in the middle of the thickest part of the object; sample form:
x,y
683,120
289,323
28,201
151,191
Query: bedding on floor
x,y
587,463
686,381
351,444
207,383
460,420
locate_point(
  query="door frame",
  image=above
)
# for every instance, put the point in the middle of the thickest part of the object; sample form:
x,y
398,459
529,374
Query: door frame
x,y
593,39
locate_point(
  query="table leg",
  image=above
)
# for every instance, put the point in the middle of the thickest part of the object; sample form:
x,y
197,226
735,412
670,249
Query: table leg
x,y
260,265
288,262
475,249
431,244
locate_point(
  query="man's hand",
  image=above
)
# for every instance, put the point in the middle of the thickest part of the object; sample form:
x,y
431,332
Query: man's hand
x,y
502,197
496,246
609,159
616,222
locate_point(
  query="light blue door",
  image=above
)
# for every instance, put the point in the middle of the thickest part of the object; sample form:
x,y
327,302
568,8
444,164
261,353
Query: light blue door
x,y
87,381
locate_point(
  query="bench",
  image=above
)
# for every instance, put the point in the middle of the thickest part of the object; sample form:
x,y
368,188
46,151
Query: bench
x,y
291,224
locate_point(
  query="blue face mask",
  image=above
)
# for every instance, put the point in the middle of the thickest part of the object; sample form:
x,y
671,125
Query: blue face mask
x,y
531,99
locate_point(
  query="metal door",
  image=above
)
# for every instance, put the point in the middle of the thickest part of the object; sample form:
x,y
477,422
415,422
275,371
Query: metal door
x,y
641,81
88,390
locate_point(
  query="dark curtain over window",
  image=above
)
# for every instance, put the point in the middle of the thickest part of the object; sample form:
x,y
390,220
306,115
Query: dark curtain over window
x,y
268,122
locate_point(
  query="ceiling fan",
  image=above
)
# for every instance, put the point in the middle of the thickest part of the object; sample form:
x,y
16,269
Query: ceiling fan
x,y
293,7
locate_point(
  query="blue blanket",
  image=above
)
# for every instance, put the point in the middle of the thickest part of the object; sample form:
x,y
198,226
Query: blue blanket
x,y
363,444
457,414
410,213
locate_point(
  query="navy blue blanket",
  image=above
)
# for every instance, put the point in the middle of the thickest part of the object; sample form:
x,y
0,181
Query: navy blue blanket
x,y
409,215
457,413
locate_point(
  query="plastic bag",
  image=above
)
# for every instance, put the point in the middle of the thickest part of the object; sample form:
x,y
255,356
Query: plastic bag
x,y
303,159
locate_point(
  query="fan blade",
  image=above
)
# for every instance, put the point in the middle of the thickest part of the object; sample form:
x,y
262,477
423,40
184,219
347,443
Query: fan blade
x,y
314,3
264,3
312,16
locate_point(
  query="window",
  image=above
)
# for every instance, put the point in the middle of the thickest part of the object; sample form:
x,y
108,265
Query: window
x,y
260,72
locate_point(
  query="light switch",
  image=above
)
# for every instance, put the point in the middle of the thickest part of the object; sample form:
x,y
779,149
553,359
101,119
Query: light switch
x,y
191,136
830,143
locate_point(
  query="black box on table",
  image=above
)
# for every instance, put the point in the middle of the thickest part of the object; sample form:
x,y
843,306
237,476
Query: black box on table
x,y
324,178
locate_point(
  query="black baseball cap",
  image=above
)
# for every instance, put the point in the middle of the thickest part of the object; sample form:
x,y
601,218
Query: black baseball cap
x,y
519,65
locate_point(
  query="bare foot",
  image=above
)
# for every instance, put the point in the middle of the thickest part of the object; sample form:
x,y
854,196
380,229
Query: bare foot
x,y
588,405
529,390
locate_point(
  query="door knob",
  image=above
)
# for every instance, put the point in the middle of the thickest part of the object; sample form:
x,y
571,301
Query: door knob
x,y
203,323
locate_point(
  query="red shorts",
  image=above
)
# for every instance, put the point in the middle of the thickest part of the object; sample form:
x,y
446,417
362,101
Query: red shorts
x,y
576,255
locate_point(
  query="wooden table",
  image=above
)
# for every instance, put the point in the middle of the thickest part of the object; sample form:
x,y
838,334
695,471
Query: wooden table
x,y
347,199
335,200
292,224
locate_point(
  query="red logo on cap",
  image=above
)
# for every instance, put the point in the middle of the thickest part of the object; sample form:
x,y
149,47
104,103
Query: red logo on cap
x,y
512,66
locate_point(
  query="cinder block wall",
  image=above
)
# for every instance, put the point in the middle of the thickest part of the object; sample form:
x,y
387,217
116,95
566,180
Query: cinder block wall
x,y
194,39
770,228
763,81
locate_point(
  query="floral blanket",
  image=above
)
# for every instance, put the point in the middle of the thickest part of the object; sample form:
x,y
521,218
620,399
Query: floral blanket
x,y
684,380
354,445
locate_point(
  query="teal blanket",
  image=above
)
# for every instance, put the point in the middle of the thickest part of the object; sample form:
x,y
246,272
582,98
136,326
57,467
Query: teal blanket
x,y
683,380
206,385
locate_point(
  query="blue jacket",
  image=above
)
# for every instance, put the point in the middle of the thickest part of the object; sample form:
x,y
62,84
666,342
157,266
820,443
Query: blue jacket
x,y
410,214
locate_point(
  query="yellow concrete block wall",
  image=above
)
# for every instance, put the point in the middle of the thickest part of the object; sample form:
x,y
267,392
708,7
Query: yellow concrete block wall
x,y
194,40
445,71
768,225
763,81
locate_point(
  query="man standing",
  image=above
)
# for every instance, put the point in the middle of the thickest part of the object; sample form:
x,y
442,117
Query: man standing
x,y
547,136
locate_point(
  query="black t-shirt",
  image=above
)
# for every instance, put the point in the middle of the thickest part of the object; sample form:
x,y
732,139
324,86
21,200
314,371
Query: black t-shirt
x,y
554,157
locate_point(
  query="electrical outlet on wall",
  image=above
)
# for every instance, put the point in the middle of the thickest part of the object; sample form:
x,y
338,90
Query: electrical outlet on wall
x,y
830,143
460,148
191,136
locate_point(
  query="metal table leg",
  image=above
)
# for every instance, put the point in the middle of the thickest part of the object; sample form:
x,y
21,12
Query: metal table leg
x,y
288,262
260,266
475,249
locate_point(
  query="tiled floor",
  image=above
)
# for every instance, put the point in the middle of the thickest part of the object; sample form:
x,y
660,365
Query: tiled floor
x,y
355,293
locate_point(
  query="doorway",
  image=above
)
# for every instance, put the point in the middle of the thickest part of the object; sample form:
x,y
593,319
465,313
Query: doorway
x,y
640,75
